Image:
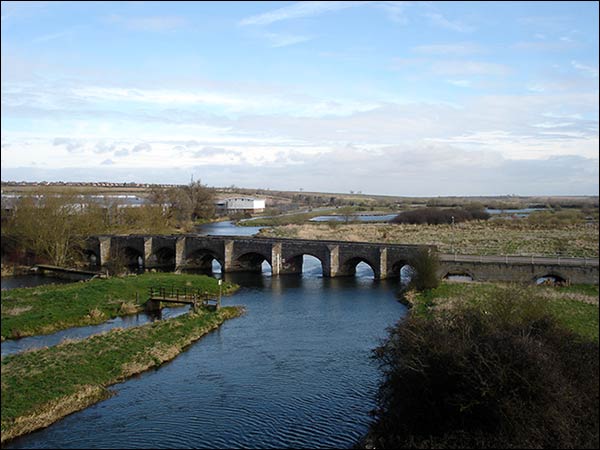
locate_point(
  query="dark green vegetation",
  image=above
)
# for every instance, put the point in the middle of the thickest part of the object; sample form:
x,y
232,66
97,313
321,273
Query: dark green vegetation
x,y
425,265
41,386
491,366
436,216
45,309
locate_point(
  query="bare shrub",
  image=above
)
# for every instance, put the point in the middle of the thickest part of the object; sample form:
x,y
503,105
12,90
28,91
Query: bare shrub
x,y
425,264
497,374
436,216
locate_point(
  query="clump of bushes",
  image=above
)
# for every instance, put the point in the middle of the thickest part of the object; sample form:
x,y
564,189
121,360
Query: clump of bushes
x,y
497,374
425,265
436,216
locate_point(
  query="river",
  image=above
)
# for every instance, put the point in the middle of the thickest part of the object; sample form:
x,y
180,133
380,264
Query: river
x,y
293,372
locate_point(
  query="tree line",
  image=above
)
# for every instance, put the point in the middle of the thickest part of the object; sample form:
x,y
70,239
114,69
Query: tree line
x,y
50,227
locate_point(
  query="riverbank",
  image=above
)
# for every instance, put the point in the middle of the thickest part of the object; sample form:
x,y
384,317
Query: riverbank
x,y
469,238
574,307
42,386
489,365
46,309
13,270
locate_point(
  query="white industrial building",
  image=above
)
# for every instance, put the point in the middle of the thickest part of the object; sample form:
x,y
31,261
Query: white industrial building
x,y
240,204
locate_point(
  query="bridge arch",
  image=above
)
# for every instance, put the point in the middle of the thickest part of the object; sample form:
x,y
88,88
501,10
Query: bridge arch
x,y
401,270
295,263
92,258
130,257
551,277
202,259
348,268
459,275
251,262
163,258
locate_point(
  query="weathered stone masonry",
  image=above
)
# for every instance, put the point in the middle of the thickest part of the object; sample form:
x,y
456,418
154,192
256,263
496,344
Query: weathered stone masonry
x,y
338,258
242,254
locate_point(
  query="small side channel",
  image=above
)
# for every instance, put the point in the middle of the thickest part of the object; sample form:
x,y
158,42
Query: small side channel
x,y
12,346
48,340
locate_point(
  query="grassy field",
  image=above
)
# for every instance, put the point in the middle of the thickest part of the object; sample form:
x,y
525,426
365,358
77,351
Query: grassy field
x,y
468,238
575,307
42,386
49,308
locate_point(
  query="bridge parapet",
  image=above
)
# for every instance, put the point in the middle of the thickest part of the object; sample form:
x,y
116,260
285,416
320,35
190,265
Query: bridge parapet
x,y
338,258
520,269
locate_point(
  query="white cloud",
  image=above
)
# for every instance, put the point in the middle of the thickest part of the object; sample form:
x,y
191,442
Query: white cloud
x,y
585,69
145,147
72,145
459,67
52,36
284,40
299,10
395,11
460,83
455,25
149,23
455,49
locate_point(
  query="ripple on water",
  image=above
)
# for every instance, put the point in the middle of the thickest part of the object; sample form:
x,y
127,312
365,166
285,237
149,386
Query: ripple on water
x,y
293,372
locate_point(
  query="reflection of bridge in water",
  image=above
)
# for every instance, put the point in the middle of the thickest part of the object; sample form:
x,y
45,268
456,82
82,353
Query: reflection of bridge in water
x,y
338,258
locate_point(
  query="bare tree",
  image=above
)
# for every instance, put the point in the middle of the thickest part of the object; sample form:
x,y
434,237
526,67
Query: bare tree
x,y
53,226
186,203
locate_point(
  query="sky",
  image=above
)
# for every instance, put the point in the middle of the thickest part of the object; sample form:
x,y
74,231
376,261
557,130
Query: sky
x,y
380,97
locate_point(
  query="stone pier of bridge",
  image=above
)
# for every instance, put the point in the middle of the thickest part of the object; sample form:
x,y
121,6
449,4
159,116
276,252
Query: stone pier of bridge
x,y
243,254
338,258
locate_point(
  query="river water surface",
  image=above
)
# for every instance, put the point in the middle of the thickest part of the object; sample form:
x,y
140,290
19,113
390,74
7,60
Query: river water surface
x,y
293,372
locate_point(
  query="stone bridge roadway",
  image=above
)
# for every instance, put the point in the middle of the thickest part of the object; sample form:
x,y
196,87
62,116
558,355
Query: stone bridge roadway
x,y
338,258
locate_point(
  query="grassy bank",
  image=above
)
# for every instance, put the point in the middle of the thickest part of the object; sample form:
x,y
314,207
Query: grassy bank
x,y
42,386
574,307
49,308
486,365
468,238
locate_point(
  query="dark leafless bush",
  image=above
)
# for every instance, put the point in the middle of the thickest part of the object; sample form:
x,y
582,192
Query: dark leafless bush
x,y
499,375
436,216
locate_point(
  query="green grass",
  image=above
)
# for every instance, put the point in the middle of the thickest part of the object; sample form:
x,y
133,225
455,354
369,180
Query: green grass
x,y
575,307
40,386
46,309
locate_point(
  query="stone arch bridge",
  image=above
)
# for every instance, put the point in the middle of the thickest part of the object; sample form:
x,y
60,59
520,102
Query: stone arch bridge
x,y
246,254
338,258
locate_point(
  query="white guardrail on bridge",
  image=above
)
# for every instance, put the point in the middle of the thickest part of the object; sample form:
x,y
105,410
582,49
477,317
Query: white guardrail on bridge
x,y
558,260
